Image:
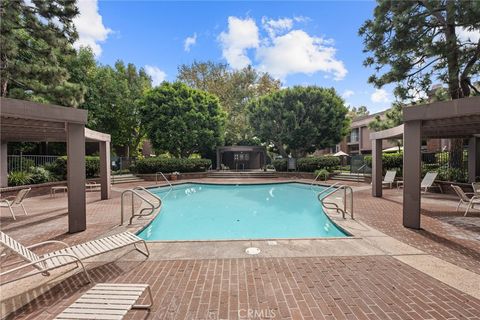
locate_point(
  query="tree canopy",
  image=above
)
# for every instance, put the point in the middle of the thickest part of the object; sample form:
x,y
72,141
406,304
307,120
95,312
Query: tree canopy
x,y
300,119
182,120
412,43
36,38
234,88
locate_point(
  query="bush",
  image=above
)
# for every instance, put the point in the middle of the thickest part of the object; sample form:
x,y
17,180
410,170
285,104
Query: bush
x,y
311,164
59,167
452,174
280,164
389,160
322,174
153,165
40,175
24,166
19,178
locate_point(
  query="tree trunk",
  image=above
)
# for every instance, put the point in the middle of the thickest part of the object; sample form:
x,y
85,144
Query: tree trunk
x,y
281,149
455,90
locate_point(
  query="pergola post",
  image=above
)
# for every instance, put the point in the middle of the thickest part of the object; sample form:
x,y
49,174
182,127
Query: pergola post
x,y
77,220
105,169
473,159
377,167
3,164
412,140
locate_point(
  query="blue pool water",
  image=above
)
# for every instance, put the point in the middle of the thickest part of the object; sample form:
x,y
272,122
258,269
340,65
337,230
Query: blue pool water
x,y
214,212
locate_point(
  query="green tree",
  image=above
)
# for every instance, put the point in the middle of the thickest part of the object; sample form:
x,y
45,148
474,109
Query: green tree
x,y
182,120
234,88
300,119
355,112
413,42
112,99
36,37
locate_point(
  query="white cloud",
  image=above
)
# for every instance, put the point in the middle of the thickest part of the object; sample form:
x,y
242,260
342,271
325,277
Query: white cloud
x,y
380,95
158,76
90,27
242,34
189,42
283,51
468,35
275,27
298,52
348,93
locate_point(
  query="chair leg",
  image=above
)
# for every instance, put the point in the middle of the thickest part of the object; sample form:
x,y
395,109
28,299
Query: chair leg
x,y
11,211
468,208
145,306
146,252
24,209
458,207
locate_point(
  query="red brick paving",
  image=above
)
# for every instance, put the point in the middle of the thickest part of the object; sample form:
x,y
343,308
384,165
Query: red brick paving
x,y
294,288
378,287
447,241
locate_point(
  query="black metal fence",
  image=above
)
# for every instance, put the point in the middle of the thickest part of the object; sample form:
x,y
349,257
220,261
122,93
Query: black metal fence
x,y
447,171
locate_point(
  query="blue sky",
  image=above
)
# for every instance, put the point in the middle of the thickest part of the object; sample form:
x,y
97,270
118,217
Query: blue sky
x,y
301,43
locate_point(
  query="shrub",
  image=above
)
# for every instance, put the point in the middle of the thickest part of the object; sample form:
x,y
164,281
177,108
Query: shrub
x,y
19,178
389,160
25,165
280,164
59,167
153,165
322,174
40,175
311,164
452,174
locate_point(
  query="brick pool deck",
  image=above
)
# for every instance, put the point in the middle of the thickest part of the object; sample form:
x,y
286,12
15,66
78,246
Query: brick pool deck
x,y
350,287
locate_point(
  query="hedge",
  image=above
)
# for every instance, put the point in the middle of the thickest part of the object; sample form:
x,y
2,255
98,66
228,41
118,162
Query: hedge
x,y
280,164
389,160
59,167
311,164
153,165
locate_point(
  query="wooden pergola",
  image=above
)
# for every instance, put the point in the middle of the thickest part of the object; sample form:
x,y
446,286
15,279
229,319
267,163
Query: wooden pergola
x,y
447,119
25,121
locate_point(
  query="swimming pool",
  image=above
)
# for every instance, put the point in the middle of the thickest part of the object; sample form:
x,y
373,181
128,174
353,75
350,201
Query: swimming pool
x,y
219,212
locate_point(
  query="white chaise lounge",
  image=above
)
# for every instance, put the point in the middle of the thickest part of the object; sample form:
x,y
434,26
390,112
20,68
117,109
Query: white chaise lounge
x,y
108,301
389,178
427,182
66,256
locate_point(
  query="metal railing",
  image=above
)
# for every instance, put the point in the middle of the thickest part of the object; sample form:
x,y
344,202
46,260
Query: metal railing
x,y
137,191
25,161
164,178
362,168
347,190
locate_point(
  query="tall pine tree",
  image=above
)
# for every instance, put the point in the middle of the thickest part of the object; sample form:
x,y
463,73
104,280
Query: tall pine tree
x,y
36,39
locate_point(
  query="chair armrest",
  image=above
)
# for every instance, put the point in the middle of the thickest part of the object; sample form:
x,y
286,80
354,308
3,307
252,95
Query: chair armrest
x,y
47,243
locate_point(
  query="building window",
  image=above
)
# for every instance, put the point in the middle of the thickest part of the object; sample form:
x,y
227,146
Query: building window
x,y
354,135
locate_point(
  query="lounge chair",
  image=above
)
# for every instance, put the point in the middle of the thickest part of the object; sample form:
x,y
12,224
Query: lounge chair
x,y
17,201
389,178
66,256
427,182
108,301
464,199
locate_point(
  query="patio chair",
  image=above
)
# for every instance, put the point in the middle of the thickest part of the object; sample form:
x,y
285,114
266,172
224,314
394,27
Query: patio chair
x,y
429,180
476,188
66,256
92,186
389,178
16,201
464,199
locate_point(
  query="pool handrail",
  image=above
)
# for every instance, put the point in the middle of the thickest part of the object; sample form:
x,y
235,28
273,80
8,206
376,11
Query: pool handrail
x,y
164,178
344,211
135,192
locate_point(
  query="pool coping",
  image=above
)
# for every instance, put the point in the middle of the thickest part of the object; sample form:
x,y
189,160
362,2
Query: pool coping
x,y
137,230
